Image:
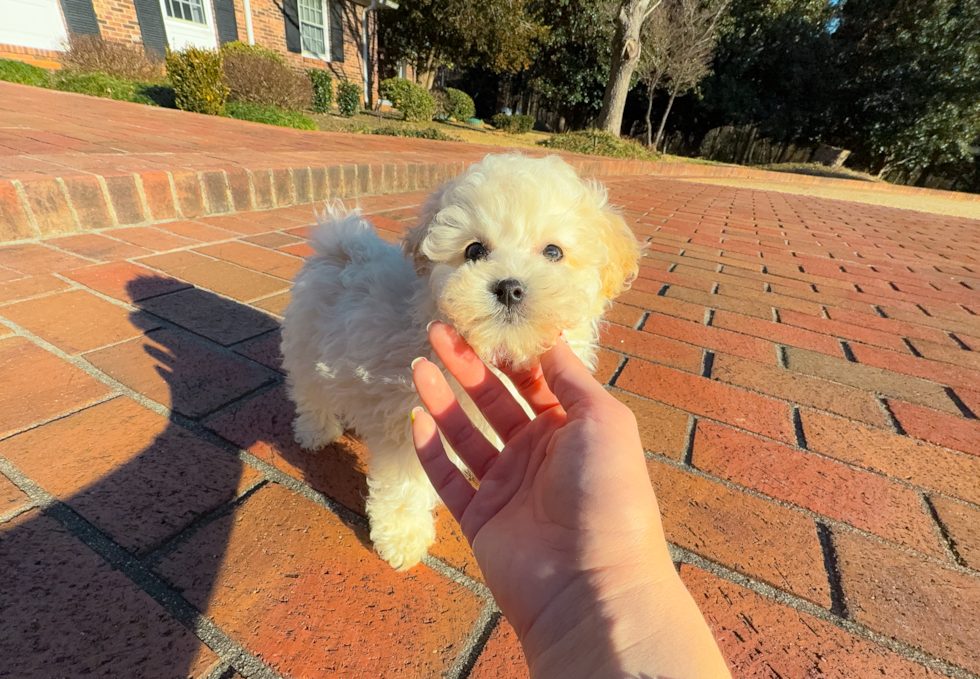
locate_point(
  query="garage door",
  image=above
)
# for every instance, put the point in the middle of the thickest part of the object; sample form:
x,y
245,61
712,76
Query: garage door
x,y
31,23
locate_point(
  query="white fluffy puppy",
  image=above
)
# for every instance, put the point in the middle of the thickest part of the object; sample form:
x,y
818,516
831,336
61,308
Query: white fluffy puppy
x,y
512,253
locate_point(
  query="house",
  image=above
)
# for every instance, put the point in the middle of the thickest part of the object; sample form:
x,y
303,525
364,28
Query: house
x,y
337,35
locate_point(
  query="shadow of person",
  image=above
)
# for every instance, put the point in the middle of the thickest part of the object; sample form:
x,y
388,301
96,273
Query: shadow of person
x,y
144,476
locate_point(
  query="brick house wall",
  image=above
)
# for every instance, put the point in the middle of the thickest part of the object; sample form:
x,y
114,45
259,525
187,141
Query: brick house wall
x,y
117,22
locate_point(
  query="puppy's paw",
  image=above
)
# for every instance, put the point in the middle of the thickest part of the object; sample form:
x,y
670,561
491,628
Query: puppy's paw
x,y
314,436
403,544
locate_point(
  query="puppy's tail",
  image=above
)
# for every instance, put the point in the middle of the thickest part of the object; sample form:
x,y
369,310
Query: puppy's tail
x,y
344,236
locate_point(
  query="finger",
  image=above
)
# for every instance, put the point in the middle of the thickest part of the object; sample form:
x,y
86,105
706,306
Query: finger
x,y
468,441
569,379
449,482
489,394
533,388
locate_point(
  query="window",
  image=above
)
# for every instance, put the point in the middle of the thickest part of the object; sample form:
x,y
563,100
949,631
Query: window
x,y
313,27
402,69
188,10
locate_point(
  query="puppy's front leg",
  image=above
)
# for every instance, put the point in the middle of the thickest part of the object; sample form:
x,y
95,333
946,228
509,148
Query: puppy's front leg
x,y
399,506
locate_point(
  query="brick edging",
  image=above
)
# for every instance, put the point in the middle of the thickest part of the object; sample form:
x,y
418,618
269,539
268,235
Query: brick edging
x,y
45,206
41,206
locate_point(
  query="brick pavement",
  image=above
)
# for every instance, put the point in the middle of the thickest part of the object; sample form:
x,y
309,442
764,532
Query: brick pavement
x,y
804,373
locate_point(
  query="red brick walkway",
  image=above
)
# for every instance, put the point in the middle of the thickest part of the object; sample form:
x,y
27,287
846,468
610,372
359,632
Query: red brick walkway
x,y
806,374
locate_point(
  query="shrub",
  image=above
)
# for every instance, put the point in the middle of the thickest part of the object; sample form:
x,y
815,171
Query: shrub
x,y
239,47
599,143
92,54
414,101
442,107
270,115
322,85
96,85
425,133
348,98
254,77
515,124
196,76
461,106
23,74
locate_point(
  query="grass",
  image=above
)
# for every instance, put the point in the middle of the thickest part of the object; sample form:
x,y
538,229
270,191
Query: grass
x,y
270,115
818,170
414,133
23,74
599,143
365,122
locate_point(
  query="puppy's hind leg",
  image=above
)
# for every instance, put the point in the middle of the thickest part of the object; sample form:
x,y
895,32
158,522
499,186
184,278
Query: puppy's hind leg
x,y
400,506
316,424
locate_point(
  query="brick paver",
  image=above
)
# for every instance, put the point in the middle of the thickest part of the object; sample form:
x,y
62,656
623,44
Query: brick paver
x,y
805,375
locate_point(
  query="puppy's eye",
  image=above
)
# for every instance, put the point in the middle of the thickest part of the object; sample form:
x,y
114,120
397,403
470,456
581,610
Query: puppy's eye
x,y
553,252
475,251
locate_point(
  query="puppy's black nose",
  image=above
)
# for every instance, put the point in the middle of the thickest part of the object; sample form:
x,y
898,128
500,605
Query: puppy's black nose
x,y
509,292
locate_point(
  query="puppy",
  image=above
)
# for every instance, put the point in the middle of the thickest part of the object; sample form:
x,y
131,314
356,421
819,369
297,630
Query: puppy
x,y
512,253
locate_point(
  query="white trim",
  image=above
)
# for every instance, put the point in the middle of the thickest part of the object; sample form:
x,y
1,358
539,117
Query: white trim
x,y
181,32
326,34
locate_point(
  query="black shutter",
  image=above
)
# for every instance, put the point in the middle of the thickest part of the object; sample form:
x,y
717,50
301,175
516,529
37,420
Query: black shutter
x,y
224,17
150,18
336,30
80,17
290,16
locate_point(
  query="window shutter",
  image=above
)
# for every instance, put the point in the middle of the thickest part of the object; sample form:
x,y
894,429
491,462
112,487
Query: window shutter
x,y
80,17
290,16
150,19
336,30
224,17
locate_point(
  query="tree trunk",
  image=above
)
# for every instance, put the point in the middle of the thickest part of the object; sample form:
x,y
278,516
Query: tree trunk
x,y
663,121
651,91
625,55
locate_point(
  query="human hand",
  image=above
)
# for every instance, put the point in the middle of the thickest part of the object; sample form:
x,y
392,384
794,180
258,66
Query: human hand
x,y
564,524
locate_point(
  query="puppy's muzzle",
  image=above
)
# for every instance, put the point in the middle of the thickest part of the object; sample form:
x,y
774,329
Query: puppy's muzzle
x,y
509,292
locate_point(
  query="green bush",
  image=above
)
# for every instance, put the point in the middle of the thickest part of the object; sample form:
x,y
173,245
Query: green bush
x,y
197,79
254,77
23,74
348,98
270,115
96,85
514,124
322,90
425,133
599,143
461,106
414,101
441,105
239,47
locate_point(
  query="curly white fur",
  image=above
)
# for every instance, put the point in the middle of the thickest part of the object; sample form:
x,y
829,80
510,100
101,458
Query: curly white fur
x,y
360,306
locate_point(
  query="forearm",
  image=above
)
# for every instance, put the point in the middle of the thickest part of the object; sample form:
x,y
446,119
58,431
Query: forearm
x,y
649,627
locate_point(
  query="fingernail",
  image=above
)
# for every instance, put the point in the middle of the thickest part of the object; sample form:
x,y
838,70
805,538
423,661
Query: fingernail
x,y
429,326
420,358
414,410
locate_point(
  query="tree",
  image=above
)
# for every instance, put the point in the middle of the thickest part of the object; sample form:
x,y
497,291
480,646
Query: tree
x,y
688,32
571,65
911,101
654,59
500,35
625,56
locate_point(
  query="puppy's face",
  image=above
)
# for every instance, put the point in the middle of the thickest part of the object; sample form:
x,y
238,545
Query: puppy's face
x,y
518,250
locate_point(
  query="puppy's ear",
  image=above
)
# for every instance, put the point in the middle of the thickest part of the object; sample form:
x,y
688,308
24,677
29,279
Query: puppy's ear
x,y
412,247
621,266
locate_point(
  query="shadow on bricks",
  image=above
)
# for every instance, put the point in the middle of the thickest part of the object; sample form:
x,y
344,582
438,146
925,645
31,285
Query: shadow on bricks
x,y
156,497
